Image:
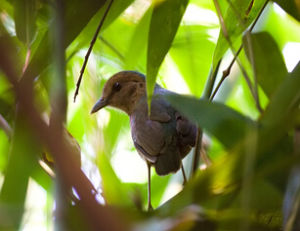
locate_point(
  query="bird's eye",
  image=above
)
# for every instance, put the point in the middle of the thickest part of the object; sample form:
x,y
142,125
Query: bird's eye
x,y
117,86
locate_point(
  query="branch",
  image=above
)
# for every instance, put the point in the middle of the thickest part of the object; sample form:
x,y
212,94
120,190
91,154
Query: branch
x,y
90,49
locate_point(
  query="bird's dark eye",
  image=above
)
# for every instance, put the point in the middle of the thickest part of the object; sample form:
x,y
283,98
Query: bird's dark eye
x,y
117,86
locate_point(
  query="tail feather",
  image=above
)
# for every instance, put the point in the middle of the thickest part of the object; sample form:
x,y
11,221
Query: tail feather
x,y
167,162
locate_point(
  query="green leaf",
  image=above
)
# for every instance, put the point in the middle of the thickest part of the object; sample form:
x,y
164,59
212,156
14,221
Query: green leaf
x,y
129,194
118,121
138,43
165,20
269,66
192,52
284,102
114,191
264,196
21,162
239,15
290,6
216,118
4,150
25,13
158,187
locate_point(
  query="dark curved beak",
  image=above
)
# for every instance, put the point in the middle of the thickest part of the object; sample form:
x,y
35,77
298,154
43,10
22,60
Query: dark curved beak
x,y
101,103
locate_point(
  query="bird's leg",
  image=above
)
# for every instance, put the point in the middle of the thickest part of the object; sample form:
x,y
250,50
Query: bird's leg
x,y
183,174
150,208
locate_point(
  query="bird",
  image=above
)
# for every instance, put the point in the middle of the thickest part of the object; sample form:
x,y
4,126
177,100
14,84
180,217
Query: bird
x,y
162,137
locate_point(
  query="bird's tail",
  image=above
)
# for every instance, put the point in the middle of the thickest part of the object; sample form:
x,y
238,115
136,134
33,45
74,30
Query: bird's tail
x,y
167,162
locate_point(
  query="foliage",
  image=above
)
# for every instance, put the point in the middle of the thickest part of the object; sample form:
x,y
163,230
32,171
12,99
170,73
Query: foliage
x,y
250,126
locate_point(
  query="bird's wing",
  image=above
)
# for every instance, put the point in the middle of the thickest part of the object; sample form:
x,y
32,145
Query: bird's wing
x,y
151,135
187,133
186,130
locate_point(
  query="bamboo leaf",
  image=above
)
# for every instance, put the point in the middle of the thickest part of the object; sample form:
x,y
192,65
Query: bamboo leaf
x,y
25,20
285,100
165,20
290,6
19,168
192,52
269,66
215,118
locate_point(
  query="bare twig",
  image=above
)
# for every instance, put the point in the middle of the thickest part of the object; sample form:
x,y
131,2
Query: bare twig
x,y
90,49
5,126
226,73
258,16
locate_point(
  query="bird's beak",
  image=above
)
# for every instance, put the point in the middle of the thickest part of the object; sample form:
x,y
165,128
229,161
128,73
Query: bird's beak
x,y
101,103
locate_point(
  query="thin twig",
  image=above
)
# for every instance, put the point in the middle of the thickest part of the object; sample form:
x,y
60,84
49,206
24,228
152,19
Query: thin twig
x,y
226,73
258,16
86,58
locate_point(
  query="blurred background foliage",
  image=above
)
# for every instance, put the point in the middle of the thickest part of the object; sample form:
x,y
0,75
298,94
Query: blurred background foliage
x,y
251,126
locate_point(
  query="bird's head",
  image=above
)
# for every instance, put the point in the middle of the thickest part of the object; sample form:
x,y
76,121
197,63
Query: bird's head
x,y
122,91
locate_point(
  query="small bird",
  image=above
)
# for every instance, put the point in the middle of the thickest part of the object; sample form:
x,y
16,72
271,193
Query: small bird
x,y
162,138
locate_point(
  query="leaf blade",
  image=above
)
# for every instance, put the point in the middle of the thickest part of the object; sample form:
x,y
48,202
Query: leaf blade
x,y
214,117
165,20
269,66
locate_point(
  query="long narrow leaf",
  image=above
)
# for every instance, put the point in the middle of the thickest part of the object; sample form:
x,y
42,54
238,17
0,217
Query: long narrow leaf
x,y
269,66
164,24
216,118
21,162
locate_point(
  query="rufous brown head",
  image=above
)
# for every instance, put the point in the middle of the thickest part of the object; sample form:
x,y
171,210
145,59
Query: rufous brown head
x,y
122,91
